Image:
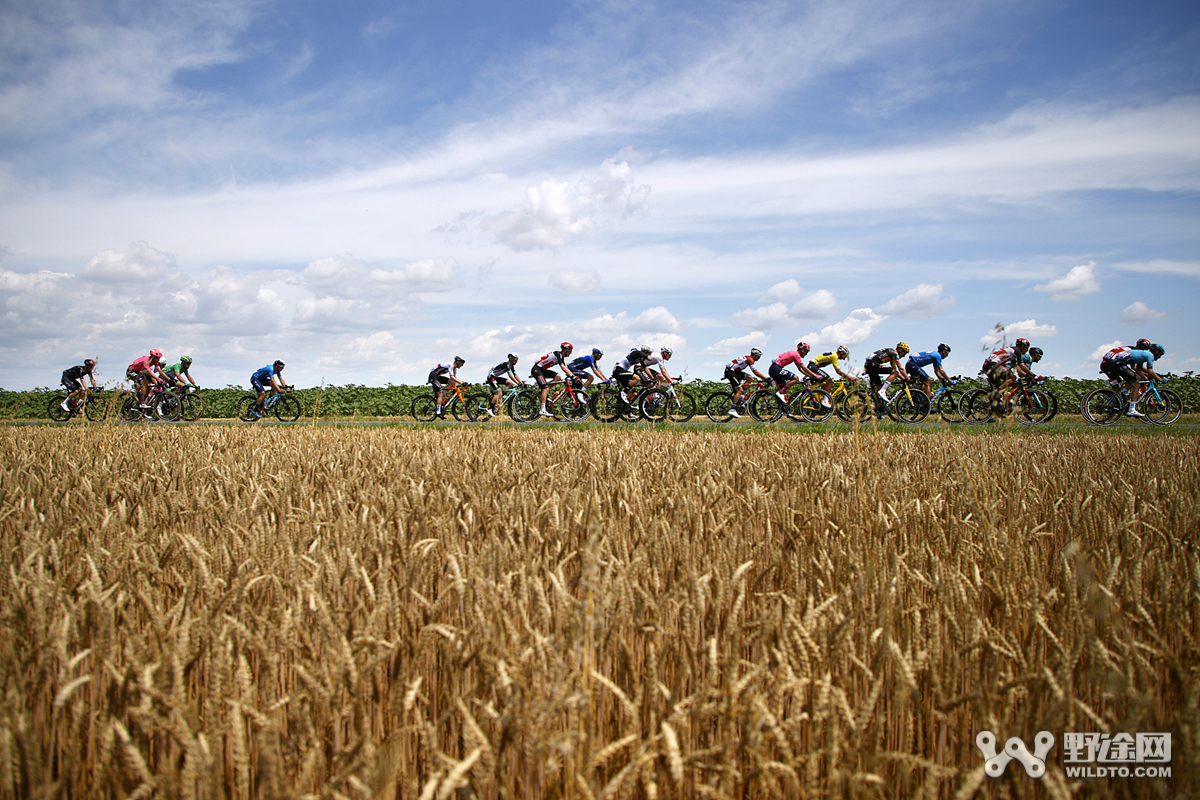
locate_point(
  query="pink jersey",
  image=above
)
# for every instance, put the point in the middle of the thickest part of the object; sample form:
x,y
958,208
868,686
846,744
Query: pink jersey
x,y
140,365
790,357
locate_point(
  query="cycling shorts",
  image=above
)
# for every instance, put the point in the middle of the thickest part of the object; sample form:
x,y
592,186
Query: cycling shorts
x,y
876,371
543,377
622,376
579,375
915,372
822,375
1120,370
996,372
736,378
71,384
497,383
256,384
779,374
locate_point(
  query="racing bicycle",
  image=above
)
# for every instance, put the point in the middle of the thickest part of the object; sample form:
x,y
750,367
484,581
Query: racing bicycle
x,y
284,406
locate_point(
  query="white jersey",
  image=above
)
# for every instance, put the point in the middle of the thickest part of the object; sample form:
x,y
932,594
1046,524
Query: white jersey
x,y
741,363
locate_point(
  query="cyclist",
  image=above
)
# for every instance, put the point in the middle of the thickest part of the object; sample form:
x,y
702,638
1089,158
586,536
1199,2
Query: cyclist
x,y
441,378
886,361
579,368
543,371
783,378
72,380
629,371
178,371
924,359
735,373
264,379
830,359
500,377
664,355
1134,366
1108,363
143,372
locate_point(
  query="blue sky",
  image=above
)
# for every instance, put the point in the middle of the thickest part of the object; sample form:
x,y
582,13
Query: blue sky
x,y
367,189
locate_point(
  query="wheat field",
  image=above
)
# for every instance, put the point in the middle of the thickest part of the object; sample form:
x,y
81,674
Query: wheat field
x,y
496,613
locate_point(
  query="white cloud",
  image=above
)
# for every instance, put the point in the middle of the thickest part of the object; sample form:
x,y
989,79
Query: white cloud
x,y
821,304
576,281
347,276
1138,312
655,320
377,345
854,329
139,263
737,344
1099,352
556,213
924,300
1162,266
772,317
1026,328
782,292
1074,285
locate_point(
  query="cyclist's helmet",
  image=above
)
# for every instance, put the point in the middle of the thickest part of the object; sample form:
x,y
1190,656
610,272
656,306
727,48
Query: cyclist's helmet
x,y
802,348
459,360
513,357
843,351
1035,353
89,362
1142,344
566,346
943,349
1021,344
597,352
156,353
645,349
279,363
185,359
1157,351
902,348
754,351
666,351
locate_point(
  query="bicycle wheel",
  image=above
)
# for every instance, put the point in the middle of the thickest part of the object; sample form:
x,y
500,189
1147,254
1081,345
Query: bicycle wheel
x,y
1031,407
526,406
245,408
652,405
55,409
765,406
191,406
608,403
480,406
718,406
856,405
424,408
910,405
1053,401
130,409
95,409
682,406
947,406
975,406
287,408
459,410
572,406
814,405
167,408
1103,407
1174,406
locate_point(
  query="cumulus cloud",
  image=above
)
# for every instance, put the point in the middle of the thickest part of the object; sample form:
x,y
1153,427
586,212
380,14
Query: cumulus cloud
x,y
821,304
737,344
854,329
347,276
1099,352
924,300
655,320
782,292
555,213
576,281
1026,328
772,317
139,263
1139,312
1075,284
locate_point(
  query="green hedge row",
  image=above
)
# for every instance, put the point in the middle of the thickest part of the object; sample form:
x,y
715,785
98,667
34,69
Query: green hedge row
x,y
353,400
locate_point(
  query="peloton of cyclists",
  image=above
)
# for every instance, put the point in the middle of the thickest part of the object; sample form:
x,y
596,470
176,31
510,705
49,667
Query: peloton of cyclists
x,y
72,381
1132,366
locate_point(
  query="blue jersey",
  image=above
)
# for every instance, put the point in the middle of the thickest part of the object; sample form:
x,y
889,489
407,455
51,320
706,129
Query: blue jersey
x,y
1138,358
264,374
582,364
925,359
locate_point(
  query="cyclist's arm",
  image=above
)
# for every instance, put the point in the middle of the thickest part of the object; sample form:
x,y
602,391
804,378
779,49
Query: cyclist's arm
x,y
599,374
850,378
941,373
899,370
666,376
275,382
761,377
